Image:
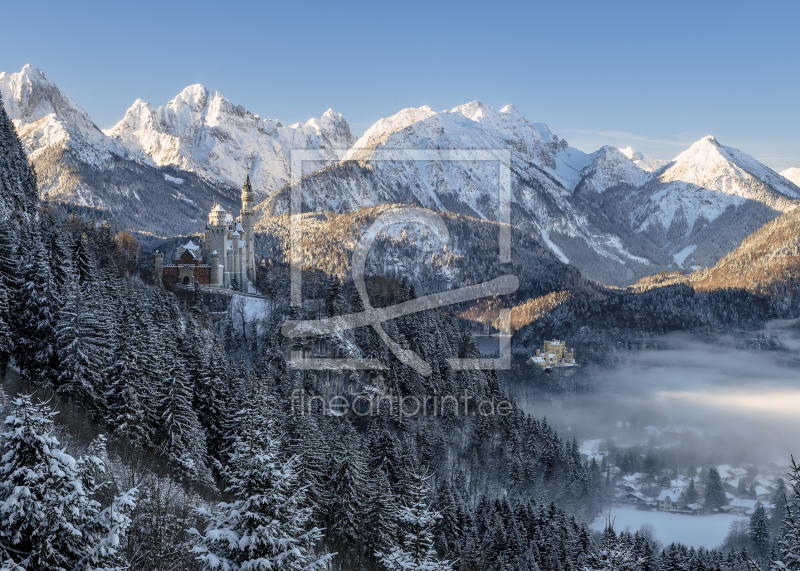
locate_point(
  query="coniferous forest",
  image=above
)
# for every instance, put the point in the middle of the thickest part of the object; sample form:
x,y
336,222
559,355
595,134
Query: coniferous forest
x,y
150,429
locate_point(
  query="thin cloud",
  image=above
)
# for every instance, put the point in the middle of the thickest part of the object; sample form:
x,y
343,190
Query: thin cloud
x,y
634,136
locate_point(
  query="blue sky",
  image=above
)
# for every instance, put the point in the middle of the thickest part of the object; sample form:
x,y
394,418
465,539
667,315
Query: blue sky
x,y
652,75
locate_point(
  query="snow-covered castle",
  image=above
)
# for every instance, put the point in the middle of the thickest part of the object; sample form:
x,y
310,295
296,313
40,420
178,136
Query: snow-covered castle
x,y
226,255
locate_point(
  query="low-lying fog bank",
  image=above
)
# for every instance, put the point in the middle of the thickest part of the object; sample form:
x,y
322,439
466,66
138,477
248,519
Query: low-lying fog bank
x,y
726,404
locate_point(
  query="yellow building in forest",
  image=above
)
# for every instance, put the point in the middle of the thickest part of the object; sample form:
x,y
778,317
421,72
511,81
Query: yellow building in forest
x,y
555,354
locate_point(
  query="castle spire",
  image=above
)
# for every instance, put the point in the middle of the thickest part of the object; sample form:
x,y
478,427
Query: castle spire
x,y
247,194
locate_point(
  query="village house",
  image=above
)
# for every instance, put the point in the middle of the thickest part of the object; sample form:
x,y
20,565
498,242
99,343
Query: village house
x,y
739,506
763,494
671,500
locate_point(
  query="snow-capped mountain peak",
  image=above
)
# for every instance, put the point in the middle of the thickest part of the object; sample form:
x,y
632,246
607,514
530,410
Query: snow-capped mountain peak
x,y
792,175
30,95
643,161
476,111
710,165
45,117
381,130
201,131
333,126
612,167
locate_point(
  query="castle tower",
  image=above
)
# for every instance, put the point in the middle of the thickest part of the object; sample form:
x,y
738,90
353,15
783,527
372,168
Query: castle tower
x,y
235,265
248,221
215,237
214,262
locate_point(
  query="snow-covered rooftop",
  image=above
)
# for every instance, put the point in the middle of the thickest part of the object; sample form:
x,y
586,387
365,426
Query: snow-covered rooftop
x,y
673,495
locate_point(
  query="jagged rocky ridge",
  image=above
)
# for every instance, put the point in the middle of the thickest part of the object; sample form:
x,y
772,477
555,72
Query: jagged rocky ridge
x,y
200,145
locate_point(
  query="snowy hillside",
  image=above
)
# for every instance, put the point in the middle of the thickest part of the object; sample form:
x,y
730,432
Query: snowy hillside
x,y
792,175
202,132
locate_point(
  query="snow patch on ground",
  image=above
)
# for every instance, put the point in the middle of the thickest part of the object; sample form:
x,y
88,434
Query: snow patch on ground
x,y
176,180
249,308
556,250
706,530
681,256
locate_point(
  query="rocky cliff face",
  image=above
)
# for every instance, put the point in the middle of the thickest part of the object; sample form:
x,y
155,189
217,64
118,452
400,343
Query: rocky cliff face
x,y
202,132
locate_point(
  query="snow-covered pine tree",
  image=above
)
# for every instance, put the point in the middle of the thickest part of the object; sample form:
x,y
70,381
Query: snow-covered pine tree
x,y
788,544
49,518
691,492
182,440
211,395
347,487
715,493
55,244
308,443
616,553
448,530
778,508
415,551
380,525
82,339
19,192
82,262
266,525
35,314
759,532
6,346
129,397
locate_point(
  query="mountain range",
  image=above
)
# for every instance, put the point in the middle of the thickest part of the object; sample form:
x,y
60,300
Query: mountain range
x,y
157,170
615,214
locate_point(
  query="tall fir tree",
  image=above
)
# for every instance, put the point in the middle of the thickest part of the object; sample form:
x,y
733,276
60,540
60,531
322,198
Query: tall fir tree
x,y
129,394
380,525
265,527
182,440
35,314
49,517
415,551
83,349
715,493
759,532
347,487
778,508
788,544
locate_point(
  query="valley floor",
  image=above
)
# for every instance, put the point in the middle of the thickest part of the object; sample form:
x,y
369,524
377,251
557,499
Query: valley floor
x,y
707,531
